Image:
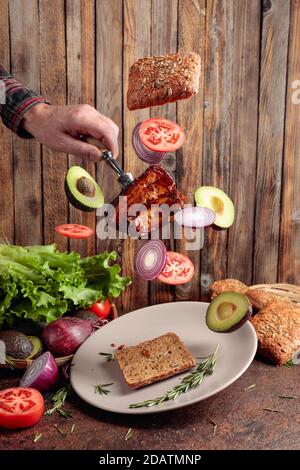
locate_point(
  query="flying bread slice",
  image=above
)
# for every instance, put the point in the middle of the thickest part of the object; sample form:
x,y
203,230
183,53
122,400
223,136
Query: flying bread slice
x,y
154,360
163,79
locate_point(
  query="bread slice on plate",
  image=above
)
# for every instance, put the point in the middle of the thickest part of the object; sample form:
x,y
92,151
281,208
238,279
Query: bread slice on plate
x,y
154,360
163,79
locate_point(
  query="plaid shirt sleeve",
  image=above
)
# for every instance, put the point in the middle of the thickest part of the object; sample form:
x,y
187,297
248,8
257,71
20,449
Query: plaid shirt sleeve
x,y
15,101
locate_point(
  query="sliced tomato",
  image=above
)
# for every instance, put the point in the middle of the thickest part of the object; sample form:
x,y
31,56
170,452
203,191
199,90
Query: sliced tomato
x,y
101,309
20,407
74,231
178,269
161,135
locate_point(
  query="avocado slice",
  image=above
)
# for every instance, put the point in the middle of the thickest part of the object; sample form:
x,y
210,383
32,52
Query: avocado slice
x,y
17,345
37,347
82,190
227,312
216,200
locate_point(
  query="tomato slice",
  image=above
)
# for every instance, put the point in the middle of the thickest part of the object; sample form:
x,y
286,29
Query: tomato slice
x,y
20,407
101,309
74,231
178,269
161,135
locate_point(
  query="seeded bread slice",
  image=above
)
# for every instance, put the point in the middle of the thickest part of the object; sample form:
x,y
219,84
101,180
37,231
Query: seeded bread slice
x,y
154,360
163,79
277,326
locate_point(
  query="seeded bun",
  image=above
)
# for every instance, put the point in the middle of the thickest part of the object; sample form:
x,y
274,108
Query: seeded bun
x,y
163,79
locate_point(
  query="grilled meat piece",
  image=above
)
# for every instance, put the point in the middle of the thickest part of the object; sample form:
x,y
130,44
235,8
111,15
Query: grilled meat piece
x,y
154,186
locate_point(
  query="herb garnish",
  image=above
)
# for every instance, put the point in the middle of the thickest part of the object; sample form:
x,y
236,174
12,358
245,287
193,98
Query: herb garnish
x,y
108,356
289,363
189,382
250,386
215,425
37,436
128,434
273,409
59,398
288,397
58,429
100,388
10,362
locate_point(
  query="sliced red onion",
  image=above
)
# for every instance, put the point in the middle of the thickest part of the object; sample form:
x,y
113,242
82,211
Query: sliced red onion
x,y
151,260
195,217
144,154
41,374
296,357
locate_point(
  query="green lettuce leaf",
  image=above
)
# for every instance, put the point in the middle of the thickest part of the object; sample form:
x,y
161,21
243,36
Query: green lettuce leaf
x,y
41,283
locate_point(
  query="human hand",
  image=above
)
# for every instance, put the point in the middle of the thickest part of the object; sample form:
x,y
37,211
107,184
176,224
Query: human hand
x,y
60,128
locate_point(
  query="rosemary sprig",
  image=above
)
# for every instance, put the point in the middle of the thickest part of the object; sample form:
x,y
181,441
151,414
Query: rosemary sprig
x,y
100,388
108,356
59,398
189,382
288,397
273,410
58,429
215,425
128,434
249,387
37,436
9,361
289,363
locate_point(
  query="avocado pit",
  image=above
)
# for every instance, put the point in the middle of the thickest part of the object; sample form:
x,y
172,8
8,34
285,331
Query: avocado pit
x,y
217,205
85,187
225,310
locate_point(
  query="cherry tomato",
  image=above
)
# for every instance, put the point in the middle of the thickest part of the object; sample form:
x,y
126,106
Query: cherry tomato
x,y
161,135
74,231
101,309
20,407
179,269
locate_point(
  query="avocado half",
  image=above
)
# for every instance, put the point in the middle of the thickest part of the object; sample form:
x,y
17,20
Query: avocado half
x,y
216,200
82,190
228,312
18,345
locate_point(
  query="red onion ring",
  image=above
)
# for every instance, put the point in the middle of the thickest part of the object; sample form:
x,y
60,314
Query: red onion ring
x,y
41,374
195,217
151,260
144,154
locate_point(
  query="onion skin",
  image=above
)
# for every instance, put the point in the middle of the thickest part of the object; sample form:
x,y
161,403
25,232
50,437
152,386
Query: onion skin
x,y
146,155
63,337
46,378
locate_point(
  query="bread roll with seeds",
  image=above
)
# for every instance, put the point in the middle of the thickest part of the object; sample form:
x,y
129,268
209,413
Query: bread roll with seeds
x,y
277,326
163,79
227,285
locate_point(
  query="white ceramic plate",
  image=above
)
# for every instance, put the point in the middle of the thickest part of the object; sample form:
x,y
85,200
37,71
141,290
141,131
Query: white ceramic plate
x,y
187,319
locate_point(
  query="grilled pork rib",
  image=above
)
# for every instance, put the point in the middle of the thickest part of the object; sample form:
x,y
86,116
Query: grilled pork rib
x,y
154,186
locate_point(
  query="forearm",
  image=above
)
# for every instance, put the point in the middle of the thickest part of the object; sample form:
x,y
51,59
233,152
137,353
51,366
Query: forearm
x,y
15,101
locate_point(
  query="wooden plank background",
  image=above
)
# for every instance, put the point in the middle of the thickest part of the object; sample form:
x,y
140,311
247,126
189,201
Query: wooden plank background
x,y
243,131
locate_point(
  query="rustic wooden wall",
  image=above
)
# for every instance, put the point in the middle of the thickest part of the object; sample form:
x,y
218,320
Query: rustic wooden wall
x,y
243,132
